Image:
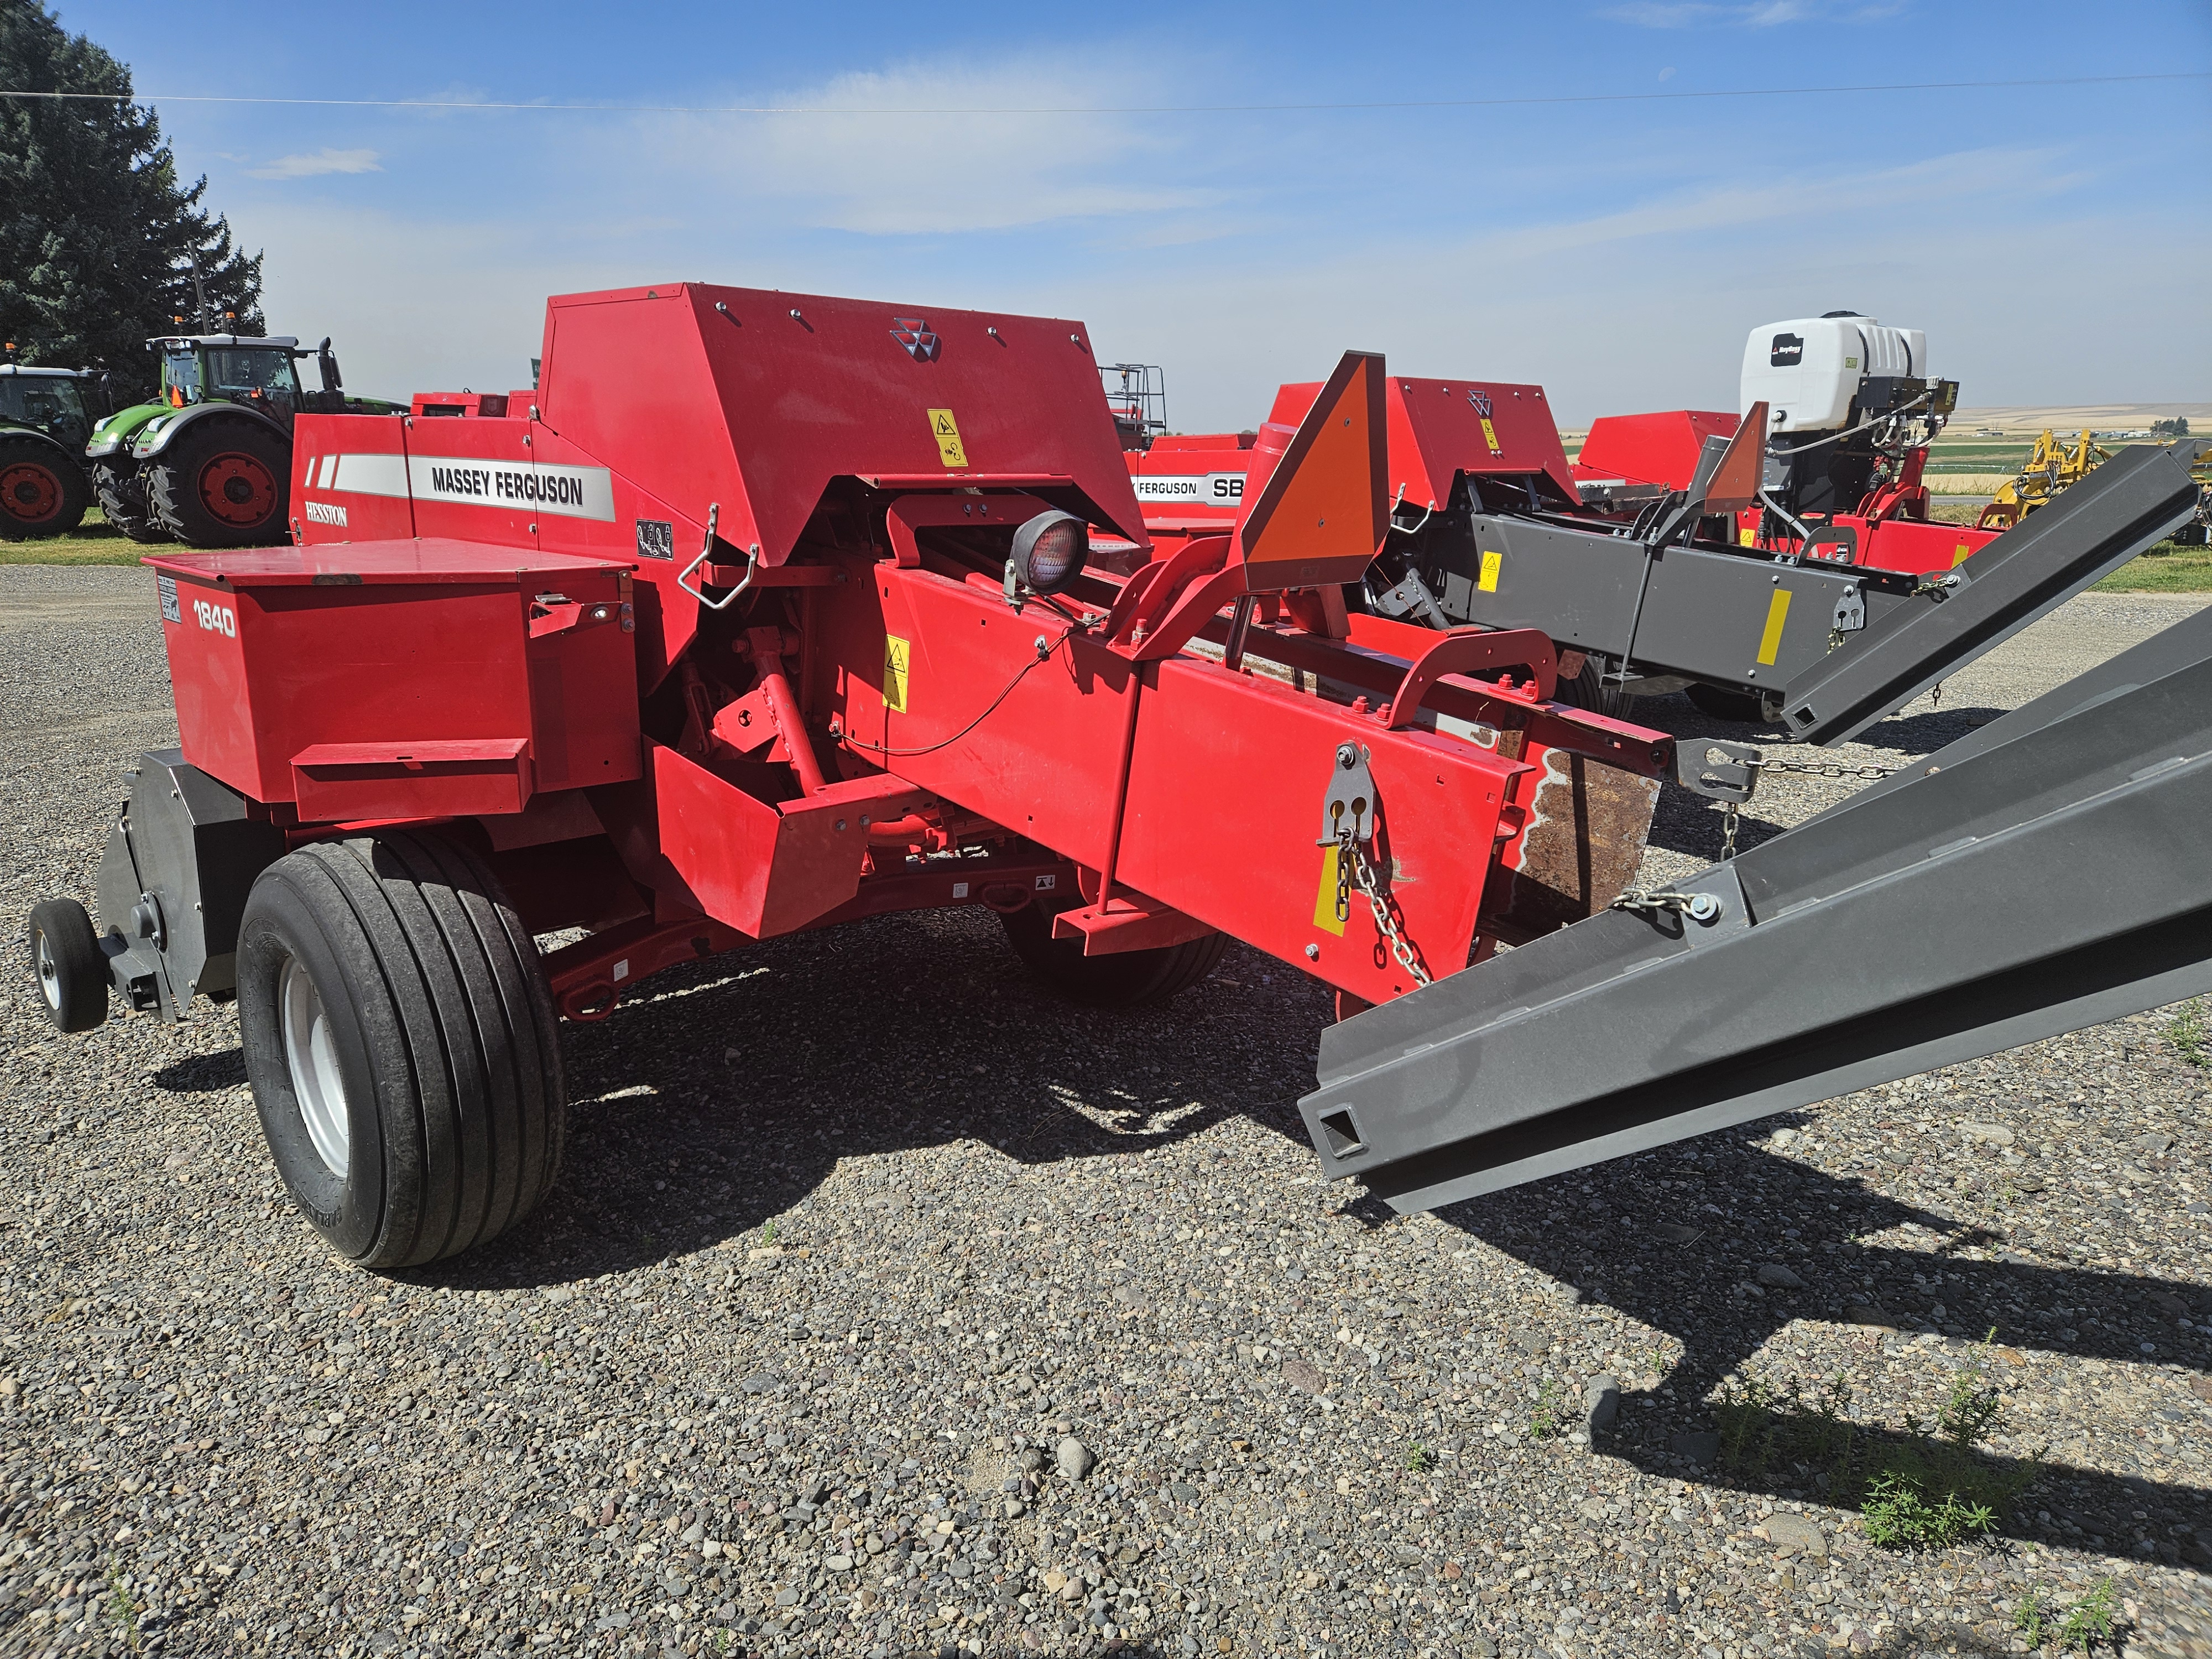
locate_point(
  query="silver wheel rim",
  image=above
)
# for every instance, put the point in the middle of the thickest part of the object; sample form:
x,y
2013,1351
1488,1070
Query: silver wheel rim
x,y
50,973
314,1060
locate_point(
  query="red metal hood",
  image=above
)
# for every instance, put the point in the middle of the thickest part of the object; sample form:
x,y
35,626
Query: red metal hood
x,y
753,400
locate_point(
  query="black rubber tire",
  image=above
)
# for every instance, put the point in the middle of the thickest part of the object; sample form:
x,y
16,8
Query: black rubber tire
x,y
75,998
121,491
1588,690
172,482
1126,979
42,489
1738,708
444,1039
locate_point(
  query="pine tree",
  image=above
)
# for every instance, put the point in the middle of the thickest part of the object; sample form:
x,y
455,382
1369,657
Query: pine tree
x,y
98,240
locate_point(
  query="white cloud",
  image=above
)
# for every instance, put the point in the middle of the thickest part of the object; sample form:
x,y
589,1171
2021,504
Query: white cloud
x,y
923,174
322,161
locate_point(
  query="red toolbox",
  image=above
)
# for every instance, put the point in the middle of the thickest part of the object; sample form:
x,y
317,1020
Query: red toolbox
x,y
370,679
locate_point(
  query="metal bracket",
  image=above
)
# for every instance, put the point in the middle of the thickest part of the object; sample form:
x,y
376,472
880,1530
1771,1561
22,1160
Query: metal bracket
x,y
1851,612
752,565
1351,794
1725,771
1412,598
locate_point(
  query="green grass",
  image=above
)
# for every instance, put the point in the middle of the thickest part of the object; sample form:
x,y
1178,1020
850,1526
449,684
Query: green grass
x,y
1929,1488
2187,1033
93,542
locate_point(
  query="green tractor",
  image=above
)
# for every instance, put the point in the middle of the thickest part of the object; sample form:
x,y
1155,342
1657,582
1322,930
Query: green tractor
x,y
209,462
44,423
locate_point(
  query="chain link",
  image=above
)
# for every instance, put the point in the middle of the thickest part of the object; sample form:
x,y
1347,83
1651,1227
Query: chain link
x,y
1362,871
1701,907
1345,856
1728,820
1824,768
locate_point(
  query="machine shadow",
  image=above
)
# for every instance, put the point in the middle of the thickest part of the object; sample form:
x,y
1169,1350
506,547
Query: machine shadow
x,y
727,1098
1615,1231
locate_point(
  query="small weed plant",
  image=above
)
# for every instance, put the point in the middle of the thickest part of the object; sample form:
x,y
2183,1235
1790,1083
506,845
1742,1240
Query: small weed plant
x,y
1550,1416
123,1607
1420,1458
2089,1621
1930,1488
2187,1033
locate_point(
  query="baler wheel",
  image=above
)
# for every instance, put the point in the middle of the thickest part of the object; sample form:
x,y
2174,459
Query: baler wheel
x,y
1126,979
71,967
225,484
402,1046
1588,690
1718,702
41,492
121,493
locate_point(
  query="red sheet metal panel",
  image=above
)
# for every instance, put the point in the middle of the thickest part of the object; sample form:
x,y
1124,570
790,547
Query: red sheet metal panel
x,y
277,651
1651,449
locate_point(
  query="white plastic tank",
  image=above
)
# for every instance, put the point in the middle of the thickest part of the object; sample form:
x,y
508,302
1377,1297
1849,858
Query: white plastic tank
x,y
1807,370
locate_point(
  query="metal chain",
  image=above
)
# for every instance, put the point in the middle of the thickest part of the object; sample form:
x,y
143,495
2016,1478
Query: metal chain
x,y
1701,907
1824,768
1345,856
1362,871
1728,832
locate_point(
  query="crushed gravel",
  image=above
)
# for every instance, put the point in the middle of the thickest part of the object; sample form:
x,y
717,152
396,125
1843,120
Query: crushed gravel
x,y
887,1306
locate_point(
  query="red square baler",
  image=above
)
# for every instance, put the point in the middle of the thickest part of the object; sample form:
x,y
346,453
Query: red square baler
x,y
763,612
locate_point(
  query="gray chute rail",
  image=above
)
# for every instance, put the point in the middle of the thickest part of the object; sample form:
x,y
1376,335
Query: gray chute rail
x,y
2047,872
2132,501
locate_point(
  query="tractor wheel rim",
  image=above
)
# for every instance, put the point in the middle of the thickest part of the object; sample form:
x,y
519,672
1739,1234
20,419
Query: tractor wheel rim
x,y
313,1059
29,492
50,973
238,489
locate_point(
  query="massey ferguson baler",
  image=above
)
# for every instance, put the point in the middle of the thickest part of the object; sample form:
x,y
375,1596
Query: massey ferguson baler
x,y
765,612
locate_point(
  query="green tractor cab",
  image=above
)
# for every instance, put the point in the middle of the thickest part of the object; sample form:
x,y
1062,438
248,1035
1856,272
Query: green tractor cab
x,y
208,461
45,420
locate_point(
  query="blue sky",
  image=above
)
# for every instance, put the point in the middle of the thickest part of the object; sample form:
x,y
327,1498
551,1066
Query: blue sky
x,y
2055,242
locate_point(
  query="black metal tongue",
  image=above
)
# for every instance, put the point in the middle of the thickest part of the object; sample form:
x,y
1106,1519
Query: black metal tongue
x,y
2046,872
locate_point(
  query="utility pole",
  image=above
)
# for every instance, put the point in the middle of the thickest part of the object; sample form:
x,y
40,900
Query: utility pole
x,y
199,292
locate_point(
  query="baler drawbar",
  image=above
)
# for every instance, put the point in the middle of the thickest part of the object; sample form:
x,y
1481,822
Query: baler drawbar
x,y
845,609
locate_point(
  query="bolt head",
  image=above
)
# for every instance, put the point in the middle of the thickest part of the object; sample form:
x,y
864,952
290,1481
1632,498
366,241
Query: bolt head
x,y
1313,953
1347,755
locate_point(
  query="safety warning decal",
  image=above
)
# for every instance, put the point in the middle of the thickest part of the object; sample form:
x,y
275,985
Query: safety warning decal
x,y
897,654
946,431
171,610
1491,563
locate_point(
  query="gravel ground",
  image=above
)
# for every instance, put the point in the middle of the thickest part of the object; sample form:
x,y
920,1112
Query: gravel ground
x,y
886,1306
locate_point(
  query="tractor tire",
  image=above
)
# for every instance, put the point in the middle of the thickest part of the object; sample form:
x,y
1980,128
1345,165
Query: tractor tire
x,y
402,1046
42,492
71,967
1736,708
223,483
121,492
1126,979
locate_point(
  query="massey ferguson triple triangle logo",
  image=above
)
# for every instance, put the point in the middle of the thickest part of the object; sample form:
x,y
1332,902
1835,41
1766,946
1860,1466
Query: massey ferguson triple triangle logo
x,y
1480,399
913,333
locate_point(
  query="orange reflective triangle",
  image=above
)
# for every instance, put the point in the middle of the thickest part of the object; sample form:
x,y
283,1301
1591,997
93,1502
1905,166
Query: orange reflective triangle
x,y
1324,510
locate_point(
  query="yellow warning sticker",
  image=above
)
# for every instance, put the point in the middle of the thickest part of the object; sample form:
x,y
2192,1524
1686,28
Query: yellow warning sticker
x,y
1770,643
946,431
1490,436
1959,555
1491,563
1748,537
1325,899
897,654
